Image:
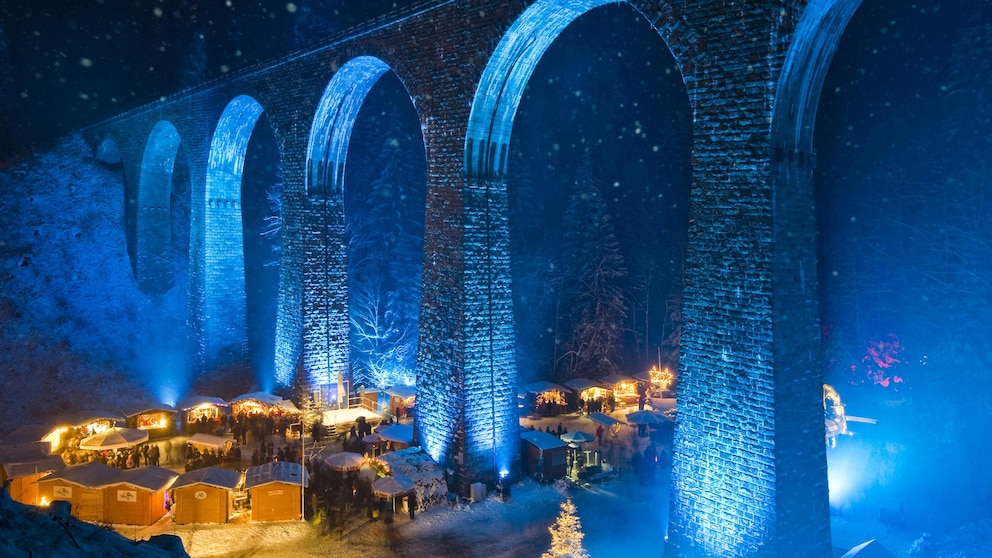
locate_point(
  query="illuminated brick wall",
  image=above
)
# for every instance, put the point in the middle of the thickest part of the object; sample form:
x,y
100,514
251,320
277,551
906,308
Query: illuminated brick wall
x,y
749,471
325,291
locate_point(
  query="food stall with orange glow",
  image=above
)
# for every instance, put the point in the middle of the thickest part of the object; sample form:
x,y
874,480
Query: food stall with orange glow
x,y
22,466
199,409
158,419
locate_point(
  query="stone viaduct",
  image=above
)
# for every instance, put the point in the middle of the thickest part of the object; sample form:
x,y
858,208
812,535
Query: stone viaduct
x,y
749,475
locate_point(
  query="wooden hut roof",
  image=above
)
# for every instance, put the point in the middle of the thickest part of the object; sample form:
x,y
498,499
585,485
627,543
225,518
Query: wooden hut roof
x,y
277,471
150,478
210,476
542,439
89,475
45,464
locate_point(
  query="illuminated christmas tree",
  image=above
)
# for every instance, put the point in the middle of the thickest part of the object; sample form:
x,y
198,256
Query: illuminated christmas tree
x,y
566,535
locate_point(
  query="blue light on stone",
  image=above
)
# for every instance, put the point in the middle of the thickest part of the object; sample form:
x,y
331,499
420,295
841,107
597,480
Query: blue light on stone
x,y
216,240
325,296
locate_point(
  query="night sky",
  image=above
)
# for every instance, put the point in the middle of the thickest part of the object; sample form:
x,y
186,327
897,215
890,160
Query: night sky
x,y
66,64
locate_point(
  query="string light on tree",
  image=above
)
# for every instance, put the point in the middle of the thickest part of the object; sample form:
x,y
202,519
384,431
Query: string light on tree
x,y
566,534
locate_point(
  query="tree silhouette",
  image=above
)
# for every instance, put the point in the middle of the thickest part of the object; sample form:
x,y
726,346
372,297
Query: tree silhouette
x,y
385,238
590,284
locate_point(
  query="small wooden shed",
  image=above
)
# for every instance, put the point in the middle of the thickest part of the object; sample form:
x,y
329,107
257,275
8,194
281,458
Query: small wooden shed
x,y
158,419
274,490
82,486
545,454
23,465
101,493
137,496
204,495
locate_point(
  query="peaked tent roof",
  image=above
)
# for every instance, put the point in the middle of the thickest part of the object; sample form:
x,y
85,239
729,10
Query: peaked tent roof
x,y
402,391
209,440
82,418
399,433
543,386
147,407
579,384
260,396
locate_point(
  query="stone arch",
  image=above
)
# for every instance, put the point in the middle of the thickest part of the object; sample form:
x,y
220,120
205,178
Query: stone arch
x,y
489,441
511,65
216,239
806,63
153,267
334,120
326,326
108,152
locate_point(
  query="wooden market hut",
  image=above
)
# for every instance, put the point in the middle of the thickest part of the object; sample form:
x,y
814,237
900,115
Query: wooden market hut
x,y
625,389
274,490
199,411
544,455
82,486
205,495
158,419
402,400
22,466
261,403
137,496
100,493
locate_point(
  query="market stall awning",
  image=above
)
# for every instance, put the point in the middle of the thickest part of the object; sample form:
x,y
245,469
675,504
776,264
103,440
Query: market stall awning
x,y
404,392
143,408
209,440
388,487
614,379
115,438
194,401
582,384
82,418
345,461
399,433
541,387
260,396
541,440
604,419
647,417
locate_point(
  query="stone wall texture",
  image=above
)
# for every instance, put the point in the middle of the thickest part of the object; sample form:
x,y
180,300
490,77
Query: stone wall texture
x,y
749,472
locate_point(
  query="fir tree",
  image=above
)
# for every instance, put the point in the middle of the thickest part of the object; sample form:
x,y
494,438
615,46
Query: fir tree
x,y
590,284
566,535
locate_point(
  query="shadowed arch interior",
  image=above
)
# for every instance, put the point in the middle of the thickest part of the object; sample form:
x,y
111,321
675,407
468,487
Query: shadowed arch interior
x,y
505,77
153,220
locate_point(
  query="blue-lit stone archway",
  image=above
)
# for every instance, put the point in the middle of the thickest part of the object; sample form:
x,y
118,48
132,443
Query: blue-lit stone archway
x,y
325,295
486,386
748,363
216,240
153,267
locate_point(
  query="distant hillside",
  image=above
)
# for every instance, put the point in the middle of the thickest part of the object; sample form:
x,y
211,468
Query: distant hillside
x,y
75,332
